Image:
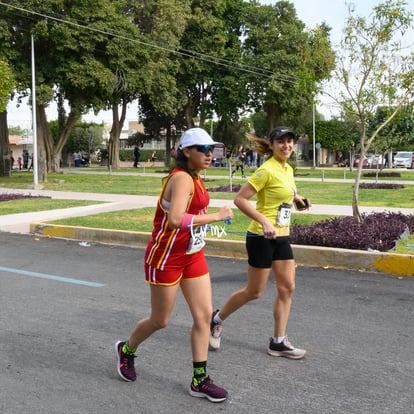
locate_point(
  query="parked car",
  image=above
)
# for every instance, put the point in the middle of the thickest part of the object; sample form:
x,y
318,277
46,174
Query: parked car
x,y
374,160
357,159
404,159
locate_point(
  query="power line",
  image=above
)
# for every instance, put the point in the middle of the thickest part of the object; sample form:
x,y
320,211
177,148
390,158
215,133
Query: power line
x,y
152,44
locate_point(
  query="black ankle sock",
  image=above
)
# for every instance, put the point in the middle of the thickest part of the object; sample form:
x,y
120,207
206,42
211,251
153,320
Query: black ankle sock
x,y
199,369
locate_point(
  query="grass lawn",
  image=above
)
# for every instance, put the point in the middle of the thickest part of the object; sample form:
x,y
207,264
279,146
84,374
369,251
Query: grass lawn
x,y
141,220
405,246
318,192
305,172
25,205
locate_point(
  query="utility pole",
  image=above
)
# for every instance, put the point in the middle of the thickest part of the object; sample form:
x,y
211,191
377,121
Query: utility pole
x,y
34,125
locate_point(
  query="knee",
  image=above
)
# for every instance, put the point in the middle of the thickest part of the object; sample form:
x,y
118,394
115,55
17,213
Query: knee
x,y
254,294
207,316
203,319
160,323
286,290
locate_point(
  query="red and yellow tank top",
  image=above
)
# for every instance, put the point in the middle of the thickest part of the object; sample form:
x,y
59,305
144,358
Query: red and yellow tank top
x,y
168,246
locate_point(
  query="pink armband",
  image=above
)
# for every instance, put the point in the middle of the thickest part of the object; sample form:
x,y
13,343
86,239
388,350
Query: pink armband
x,y
187,220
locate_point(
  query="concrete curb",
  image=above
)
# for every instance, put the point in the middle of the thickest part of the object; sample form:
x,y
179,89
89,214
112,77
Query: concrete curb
x,y
313,256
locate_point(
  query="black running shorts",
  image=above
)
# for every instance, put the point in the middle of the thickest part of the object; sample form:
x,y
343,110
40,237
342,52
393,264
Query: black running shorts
x,y
262,252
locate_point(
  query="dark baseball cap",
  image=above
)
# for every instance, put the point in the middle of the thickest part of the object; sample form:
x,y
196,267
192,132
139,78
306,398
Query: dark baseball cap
x,y
280,132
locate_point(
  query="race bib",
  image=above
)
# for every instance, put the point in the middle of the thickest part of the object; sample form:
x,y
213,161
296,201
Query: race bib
x,y
283,215
197,241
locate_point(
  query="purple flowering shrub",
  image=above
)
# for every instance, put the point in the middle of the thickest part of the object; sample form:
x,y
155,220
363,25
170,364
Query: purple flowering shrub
x,y
10,196
225,188
379,231
387,186
382,174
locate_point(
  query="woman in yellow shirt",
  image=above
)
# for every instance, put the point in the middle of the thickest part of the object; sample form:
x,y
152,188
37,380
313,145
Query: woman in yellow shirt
x,y
267,240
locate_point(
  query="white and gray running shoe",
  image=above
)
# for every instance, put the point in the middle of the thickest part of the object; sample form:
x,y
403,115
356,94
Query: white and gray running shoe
x,y
285,349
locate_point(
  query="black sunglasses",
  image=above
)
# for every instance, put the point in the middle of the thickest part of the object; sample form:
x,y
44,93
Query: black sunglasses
x,y
204,148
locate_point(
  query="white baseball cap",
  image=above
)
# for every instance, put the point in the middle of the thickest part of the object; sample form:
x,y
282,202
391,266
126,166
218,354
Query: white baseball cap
x,y
197,136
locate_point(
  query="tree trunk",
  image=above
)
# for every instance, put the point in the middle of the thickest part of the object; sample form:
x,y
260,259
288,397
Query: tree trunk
x,y
43,144
113,144
355,208
114,135
64,134
53,150
168,146
5,156
272,117
189,112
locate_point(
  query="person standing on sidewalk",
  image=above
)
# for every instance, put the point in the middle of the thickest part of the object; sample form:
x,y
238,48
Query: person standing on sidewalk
x,y
137,156
77,157
267,240
240,161
175,259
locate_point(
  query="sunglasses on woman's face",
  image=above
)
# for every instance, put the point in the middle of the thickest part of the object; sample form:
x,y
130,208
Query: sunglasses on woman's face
x,y
204,148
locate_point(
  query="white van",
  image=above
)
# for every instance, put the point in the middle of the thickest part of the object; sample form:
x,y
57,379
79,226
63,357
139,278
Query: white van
x,y
404,159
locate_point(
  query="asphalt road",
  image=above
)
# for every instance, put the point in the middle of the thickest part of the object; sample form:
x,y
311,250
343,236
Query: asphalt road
x,y
63,305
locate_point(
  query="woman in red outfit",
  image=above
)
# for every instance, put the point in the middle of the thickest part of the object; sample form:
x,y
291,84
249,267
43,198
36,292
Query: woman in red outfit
x,y
175,258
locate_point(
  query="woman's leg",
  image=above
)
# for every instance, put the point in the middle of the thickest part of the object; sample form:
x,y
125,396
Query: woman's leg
x,y
197,293
162,303
256,282
284,271
280,346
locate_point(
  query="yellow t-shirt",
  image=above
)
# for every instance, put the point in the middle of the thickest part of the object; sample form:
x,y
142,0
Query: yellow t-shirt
x,y
275,185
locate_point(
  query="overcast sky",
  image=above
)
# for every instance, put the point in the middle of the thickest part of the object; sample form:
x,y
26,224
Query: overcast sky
x,y
333,12
311,12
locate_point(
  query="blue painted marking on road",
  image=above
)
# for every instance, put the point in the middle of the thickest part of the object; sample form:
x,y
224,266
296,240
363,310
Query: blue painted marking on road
x,y
51,277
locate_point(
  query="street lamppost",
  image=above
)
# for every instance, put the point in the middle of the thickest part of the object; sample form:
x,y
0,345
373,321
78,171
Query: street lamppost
x,y
313,134
34,125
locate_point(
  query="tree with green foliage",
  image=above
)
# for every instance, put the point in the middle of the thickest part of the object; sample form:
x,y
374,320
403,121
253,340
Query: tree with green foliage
x,y
85,137
374,68
60,58
104,69
17,130
162,23
293,61
6,84
335,134
229,95
6,87
398,135
82,61
207,76
205,44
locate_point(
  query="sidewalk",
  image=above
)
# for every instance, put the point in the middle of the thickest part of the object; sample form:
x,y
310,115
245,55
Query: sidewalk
x,y
20,223
34,223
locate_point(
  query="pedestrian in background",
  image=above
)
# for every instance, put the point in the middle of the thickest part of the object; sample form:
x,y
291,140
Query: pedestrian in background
x,y
25,159
11,160
153,158
175,259
267,240
137,156
30,161
77,157
240,160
